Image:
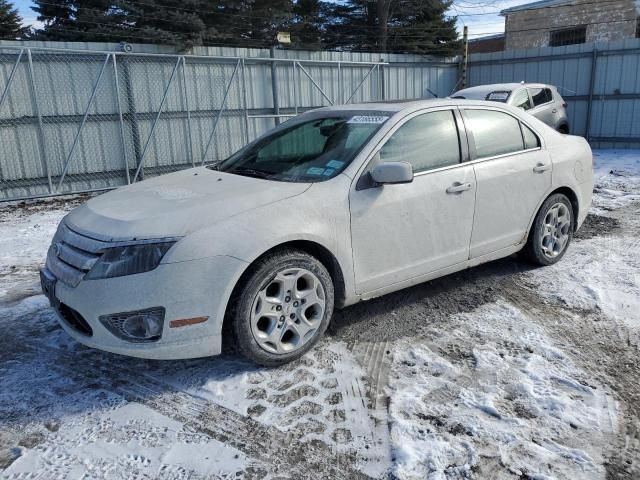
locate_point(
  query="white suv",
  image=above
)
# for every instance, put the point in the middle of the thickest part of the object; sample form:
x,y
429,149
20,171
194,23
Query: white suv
x,y
540,100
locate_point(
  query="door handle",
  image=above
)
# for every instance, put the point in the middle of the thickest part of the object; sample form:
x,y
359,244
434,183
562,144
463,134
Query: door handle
x,y
459,187
555,110
542,167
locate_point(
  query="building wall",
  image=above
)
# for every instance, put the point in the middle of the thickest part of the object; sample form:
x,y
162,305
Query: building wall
x,y
606,21
487,45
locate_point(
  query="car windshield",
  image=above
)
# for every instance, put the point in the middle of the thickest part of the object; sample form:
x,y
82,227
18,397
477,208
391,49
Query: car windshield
x,y
307,151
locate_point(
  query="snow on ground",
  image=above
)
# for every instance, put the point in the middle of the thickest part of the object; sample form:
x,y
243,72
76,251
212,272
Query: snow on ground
x,y
516,399
491,392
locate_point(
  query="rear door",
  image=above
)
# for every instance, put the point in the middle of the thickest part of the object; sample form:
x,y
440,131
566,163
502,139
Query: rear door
x,y
513,173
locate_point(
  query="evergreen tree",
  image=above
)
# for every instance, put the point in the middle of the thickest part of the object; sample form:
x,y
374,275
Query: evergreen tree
x,y
416,26
401,26
10,22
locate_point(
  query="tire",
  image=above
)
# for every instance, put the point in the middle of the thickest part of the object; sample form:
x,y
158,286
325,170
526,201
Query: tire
x,y
550,235
564,129
282,307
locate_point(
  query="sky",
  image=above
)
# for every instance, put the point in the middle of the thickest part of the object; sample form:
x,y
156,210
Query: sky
x,y
481,16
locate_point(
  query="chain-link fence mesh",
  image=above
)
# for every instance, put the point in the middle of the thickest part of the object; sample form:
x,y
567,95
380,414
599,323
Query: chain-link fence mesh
x,y
82,121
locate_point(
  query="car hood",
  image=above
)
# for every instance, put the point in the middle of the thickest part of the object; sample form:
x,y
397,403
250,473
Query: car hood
x,y
175,205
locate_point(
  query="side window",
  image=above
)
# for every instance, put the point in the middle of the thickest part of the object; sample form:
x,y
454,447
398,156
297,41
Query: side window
x,y
494,133
521,99
427,141
531,140
541,96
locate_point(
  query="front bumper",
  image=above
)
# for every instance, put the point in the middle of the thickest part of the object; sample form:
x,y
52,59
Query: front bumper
x,y
197,288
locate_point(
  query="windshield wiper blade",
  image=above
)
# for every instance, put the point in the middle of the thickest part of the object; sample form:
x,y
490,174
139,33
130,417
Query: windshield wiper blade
x,y
249,172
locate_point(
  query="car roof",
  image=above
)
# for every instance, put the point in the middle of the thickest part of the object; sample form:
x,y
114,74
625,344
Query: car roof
x,y
481,91
402,105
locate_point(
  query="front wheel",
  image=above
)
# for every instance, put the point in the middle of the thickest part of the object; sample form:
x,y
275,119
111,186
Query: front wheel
x,y
282,308
551,232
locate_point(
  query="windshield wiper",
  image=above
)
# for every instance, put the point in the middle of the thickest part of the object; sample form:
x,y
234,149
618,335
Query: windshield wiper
x,y
250,172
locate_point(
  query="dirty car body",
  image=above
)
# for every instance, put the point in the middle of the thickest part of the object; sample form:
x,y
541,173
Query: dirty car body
x,y
333,207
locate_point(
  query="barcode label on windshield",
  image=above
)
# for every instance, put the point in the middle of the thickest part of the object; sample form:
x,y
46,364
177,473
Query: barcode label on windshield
x,y
367,119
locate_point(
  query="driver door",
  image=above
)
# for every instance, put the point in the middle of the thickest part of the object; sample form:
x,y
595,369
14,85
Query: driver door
x,y
400,232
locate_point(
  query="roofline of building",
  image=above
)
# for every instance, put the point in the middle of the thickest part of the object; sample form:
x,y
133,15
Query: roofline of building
x,y
488,37
534,6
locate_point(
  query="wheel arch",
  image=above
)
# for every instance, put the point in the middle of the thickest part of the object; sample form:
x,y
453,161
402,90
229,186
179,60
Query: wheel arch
x,y
573,199
315,249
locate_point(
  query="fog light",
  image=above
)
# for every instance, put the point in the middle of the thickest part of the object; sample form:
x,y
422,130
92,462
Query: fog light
x,y
138,326
142,326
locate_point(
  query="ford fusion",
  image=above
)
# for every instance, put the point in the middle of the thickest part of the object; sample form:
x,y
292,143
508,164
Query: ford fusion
x,y
333,207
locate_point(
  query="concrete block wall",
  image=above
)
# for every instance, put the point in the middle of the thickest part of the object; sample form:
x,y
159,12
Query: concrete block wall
x,y
606,21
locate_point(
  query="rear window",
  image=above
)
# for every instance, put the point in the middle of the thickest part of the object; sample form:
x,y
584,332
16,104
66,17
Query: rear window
x,y
498,96
541,96
494,133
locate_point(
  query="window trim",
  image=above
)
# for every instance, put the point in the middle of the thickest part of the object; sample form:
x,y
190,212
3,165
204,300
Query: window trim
x,y
472,143
463,143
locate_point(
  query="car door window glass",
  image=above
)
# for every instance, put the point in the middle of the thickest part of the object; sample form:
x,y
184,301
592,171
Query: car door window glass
x,y
531,140
541,96
521,100
427,141
494,133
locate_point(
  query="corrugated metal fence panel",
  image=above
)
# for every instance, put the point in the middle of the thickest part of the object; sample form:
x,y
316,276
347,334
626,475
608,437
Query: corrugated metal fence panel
x,y
154,110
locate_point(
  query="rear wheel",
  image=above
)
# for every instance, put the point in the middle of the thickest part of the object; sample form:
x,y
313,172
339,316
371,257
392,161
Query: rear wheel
x,y
551,232
282,308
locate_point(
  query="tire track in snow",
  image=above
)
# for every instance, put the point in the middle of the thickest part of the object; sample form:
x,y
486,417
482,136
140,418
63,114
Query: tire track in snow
x,y
280,452
607,350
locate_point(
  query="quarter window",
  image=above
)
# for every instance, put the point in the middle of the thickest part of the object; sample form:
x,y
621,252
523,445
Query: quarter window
x,y
494,133
427,141
521,99
541,96
531,140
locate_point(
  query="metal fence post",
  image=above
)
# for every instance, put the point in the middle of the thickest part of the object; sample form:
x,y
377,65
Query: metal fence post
x,y
592,82
185,92
132,115
42,152
82,123
245,103
155,121
340,95
274,86
383,95
296,76
120,120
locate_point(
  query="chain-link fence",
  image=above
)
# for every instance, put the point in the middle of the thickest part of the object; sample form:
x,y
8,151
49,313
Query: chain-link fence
x,y
74,121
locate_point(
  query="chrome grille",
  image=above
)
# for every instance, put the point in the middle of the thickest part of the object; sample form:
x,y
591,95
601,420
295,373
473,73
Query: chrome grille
x,y
72,255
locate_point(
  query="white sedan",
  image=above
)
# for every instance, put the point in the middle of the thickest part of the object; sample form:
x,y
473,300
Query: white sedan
x,y
333,207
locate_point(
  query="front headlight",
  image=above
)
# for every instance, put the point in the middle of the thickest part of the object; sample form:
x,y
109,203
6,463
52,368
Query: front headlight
x,y
128,259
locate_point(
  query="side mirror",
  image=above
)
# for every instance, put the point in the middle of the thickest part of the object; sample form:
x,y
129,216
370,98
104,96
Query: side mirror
x,y
392,173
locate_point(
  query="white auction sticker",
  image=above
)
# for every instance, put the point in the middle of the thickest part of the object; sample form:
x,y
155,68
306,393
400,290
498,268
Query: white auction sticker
x,y
367,119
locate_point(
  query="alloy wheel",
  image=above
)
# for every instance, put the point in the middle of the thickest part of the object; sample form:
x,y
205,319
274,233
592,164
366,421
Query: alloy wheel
x,y
288,310
556,230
